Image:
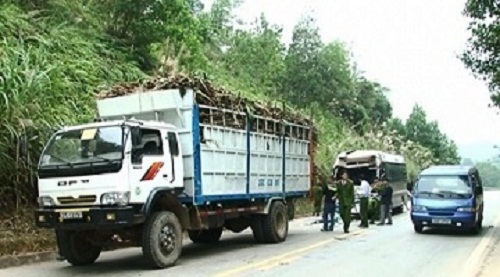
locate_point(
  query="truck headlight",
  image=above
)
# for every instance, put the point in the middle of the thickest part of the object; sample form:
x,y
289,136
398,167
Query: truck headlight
x,y
115,198
418,208
46,201
466,209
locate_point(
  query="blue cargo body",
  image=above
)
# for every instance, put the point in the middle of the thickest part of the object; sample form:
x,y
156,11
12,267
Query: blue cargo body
x,y
448,197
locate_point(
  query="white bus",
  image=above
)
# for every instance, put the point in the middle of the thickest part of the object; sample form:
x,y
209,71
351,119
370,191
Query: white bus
x,y
374,164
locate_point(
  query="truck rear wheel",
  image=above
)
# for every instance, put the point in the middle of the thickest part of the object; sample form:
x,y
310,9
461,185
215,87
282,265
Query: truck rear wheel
x,y
75,247
275,223
205,236
258,229
291,209
162,240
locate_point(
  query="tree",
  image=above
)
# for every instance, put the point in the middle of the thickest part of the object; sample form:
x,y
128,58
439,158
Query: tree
x,y
467,161
300,81
483,53
256,56
427,134
490,173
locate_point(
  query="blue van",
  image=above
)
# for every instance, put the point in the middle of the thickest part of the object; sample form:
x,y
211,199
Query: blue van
x,y
448,197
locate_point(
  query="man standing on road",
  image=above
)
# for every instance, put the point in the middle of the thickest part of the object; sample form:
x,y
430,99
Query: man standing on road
x,y
329,191
345,192
364,195
386,203
373,203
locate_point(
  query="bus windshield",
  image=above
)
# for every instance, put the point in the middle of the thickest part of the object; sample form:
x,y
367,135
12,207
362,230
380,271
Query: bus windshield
x,y
101,144
443,186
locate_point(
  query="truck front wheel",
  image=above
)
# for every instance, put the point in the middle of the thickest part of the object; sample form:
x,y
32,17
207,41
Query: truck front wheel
x,y
75,247
162,240
275,223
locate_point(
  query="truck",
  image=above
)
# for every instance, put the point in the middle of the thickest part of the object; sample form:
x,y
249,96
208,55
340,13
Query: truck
x,y
374,164
157,164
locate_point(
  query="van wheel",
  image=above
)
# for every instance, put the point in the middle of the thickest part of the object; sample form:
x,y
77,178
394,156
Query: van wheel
x,y
418,229
162,240
478,227
77,250
275,223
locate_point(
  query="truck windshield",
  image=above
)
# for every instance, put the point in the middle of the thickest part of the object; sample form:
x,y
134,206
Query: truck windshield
x,y
443,187
102,144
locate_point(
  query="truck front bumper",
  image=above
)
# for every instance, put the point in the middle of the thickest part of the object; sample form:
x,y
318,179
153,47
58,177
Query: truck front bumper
x,y
87,218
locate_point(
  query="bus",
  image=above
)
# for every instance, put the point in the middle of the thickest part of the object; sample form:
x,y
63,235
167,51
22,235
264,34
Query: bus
x,y
375,164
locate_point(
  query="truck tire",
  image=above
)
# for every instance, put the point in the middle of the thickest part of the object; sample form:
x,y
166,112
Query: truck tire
x,y
291,209
205,236
275,223
77,250
162,240
258,229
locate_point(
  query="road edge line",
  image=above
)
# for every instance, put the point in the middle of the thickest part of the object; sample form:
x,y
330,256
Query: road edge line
x,y
476,260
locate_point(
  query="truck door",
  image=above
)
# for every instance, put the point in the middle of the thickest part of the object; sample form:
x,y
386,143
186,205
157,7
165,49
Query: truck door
x,y
150,168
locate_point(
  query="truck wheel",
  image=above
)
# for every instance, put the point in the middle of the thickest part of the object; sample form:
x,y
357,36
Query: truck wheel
x,y
77,250
291,209
258,229
205,236
275,223
162,240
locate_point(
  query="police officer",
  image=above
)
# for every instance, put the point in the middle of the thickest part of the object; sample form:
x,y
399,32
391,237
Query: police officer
x,y
317,197
345,194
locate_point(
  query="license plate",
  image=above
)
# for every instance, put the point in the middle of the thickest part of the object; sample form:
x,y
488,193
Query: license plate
x,y
72,215
441,221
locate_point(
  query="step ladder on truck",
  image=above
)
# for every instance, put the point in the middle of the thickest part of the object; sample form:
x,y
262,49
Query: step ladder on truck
x,y
157,164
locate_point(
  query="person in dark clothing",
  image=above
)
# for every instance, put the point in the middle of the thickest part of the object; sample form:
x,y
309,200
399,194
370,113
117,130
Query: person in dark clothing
x,y
329,192
386,204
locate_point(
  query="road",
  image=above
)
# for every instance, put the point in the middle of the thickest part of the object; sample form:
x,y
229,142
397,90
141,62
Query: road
x,y
378,251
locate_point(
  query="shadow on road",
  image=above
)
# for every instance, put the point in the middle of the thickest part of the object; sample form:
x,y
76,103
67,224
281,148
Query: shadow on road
x,y
131,260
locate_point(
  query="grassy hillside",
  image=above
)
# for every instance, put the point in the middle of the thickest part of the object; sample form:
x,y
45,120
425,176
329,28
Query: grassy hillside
x,y
55,54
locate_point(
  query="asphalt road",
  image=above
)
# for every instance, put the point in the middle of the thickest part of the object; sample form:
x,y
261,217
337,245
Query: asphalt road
x,y
378,251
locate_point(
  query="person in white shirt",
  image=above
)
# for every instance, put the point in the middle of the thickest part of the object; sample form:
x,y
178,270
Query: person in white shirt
x,y
364,195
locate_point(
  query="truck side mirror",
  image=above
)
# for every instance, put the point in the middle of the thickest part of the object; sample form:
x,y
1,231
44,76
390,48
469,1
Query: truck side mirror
x,y
136,135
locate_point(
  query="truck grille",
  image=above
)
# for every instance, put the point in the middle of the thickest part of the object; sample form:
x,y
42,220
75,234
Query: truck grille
x,y
82,199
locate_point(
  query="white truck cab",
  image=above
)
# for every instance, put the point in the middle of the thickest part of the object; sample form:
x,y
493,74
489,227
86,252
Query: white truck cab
x,y
108,163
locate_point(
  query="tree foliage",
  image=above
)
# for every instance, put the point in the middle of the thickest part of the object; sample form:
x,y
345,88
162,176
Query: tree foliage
x,y
56,52
483,53
490,173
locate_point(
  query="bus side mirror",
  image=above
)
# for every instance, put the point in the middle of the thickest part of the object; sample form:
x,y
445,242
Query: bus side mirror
x,y
136,135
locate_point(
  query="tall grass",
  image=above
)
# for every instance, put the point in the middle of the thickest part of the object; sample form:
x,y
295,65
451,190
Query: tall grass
x,y
48,76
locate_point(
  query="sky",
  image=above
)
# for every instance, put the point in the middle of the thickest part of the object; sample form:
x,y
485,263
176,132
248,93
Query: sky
x,y
410,47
